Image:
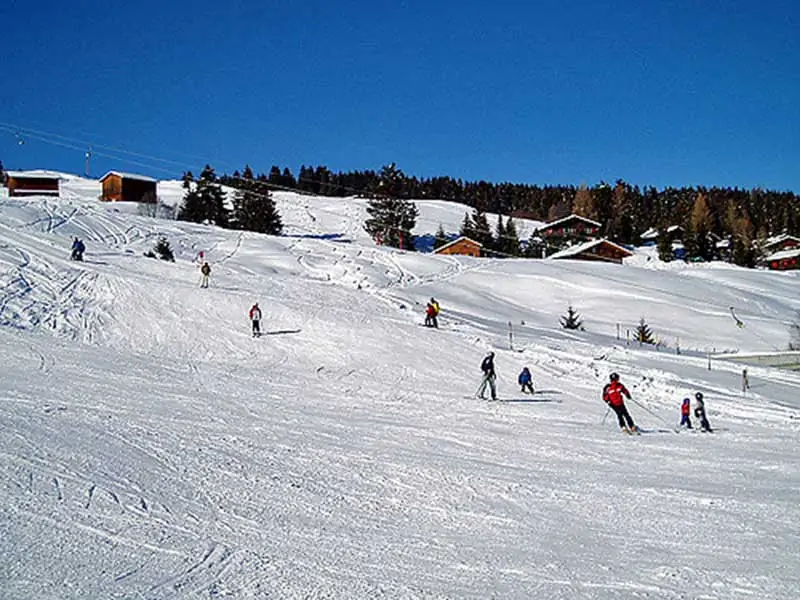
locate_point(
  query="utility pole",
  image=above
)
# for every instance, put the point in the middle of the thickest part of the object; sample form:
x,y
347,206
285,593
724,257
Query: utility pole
x,y
88,162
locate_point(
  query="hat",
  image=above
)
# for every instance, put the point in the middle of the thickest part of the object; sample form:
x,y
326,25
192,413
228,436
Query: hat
x,y
614,377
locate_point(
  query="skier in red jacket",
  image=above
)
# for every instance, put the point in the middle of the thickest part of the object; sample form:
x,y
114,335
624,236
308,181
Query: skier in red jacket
x,y
613,393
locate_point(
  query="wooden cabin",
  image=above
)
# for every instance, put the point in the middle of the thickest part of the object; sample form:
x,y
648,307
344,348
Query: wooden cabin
x,y
462,245
597,250
572,227
780,242
126,187
32,183
785,260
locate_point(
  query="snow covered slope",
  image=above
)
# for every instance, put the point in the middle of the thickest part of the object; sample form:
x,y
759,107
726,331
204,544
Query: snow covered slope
x,y
151,448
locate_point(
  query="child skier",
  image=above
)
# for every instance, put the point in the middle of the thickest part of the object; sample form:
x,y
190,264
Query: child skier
x,y
526,381
489,377
700,412
255,317
205,270
613,393
685,411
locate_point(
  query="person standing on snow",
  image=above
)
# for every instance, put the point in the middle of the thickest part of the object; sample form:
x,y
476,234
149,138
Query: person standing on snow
x,y
435,319
489,377
700,412
526,381
614,394
255,318
430,315
205,271
685,411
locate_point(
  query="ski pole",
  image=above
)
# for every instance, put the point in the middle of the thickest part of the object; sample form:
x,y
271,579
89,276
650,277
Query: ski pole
x,y
605,416
643,407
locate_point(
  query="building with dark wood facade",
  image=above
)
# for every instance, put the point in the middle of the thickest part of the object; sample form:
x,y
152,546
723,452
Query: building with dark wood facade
x,y
780,242
597,250
462,245
126,187
572,227
32,183
785,260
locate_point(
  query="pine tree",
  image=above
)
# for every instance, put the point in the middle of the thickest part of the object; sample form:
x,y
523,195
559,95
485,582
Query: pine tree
x,y
440,239
643,333
664,245
391,218
482,232
467,228
499,241
572,320
163,249
247,202
192,208
511,245
208,198
2,173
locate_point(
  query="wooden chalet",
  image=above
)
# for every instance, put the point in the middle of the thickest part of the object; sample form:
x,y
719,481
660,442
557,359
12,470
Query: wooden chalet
x,y
462,245
780,242
573,227
598,250
785,260
32,183
127,187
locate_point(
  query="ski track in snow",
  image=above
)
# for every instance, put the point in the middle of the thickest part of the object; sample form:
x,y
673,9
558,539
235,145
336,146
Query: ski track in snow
x,y
151,448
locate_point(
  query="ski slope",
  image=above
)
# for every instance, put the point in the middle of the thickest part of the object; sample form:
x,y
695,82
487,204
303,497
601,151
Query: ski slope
x,y
151,448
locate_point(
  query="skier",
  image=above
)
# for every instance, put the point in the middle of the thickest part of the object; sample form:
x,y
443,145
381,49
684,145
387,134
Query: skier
x,y
489,377
525,380
685,411
613,393
435,318
700,412
255,317
78,248
205,270
430,315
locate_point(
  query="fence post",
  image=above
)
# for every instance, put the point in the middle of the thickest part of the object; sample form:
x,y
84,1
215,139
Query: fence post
x,y
677,345
510,336
617,330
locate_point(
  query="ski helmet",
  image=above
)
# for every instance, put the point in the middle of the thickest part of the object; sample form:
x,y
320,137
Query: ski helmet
x,y
699,395
614,377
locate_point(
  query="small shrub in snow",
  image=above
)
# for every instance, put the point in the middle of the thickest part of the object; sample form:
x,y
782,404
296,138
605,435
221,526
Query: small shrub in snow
x,y
643,333
571,320
163,249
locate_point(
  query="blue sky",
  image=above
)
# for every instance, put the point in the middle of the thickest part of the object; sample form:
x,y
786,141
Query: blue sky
x,y
656,93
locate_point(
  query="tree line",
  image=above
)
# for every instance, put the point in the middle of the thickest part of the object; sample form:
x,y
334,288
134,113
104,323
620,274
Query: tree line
x,y
252,207
625,211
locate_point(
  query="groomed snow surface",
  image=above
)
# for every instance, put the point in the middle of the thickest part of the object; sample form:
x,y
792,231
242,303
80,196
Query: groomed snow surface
x,y
151,448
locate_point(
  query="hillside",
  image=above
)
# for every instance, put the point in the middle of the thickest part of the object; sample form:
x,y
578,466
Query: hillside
x,y
152,448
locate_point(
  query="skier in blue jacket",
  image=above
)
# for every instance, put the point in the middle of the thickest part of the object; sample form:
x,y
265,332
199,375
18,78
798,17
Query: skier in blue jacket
x,y
526,380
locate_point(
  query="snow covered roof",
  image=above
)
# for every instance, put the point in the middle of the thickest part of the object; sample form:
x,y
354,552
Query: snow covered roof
x,y
455,241
652,233
779,239
128,176
575,250
790,253
570,218
34,174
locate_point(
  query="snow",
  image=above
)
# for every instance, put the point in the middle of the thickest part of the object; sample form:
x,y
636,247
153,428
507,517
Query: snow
x,y
129,176
34,174
579,248
151,448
